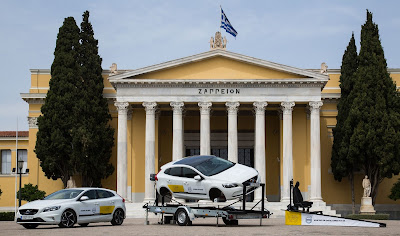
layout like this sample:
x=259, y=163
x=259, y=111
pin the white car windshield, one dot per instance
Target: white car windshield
x=207, y=165
x=64, y=194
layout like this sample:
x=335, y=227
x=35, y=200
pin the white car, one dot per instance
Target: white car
x=204, y=178
x=75, y=205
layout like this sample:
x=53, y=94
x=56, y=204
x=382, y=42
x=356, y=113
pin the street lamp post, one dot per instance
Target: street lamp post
x=20, y=166
x=18, y=171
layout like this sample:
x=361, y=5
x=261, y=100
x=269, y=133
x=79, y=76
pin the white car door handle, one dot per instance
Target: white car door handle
x=185, y=183
x=96, y=203
x=169, y=181
x=112, y=202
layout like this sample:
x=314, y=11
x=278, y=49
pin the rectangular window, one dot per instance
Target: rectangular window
x=23, y=155
x=5, y=162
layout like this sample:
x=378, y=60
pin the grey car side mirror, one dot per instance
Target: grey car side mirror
x=198, y=177
x=84, y=198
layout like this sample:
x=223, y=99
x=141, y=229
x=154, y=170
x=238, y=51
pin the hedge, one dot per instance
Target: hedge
x=7, y=216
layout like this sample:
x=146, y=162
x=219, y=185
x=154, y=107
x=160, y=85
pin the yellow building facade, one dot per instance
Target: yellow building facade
x=9, y=182
x=273, y=117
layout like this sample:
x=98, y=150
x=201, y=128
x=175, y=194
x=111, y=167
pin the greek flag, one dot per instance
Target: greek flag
x=225, y=24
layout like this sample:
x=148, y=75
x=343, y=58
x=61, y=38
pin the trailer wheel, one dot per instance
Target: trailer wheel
x=230, y=222
x=182, y=217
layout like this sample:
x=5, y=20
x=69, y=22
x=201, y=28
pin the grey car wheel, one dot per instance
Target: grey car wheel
x=68, y=219
x=118, y=217
x=182, y=217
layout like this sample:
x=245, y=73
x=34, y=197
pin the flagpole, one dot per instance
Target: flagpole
x=16, y=169
x=220, y=14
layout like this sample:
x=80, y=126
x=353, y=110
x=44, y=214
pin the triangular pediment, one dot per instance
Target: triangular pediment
x=215, y=65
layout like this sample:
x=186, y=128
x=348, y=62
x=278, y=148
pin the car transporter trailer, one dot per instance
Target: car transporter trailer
x=184, y=214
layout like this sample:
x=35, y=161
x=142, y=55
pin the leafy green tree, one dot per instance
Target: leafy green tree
x=54, y=139
x=92, y=134
x=395, y=191
x=374, y=115
x=343, y=165
x=31, y=193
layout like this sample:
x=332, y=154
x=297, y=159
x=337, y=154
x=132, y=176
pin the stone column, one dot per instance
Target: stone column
x=315, y=151
x=259, y=158
x=150, y=107
x=287, y=108
x=177, y=126
x=205, y=146
x=122, y=161
x=232, y=131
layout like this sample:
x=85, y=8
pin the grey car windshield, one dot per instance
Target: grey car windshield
x=64, y=194
x=213, y=166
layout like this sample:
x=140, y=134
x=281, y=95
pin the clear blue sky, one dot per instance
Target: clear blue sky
x=135, y=34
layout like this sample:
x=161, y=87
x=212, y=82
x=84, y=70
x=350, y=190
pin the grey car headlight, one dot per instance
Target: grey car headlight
x=230, y=185
x=53, y=208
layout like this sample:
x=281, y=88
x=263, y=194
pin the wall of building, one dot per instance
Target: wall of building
x=8, y=181
x=333, y=192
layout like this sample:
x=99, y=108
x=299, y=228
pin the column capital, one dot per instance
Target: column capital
x=233, y=107
x=177, y=107
x=150, y=107
x=315, y=106
x=122, y=107
x=205, y=107
x=32, y=122
x=287, y=107
x=259, y=107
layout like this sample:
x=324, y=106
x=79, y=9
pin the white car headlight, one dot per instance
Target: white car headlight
x=53, y=208
x=232, y=185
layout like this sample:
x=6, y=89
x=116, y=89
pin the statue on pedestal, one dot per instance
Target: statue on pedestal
x=113, y=69
x=367, y=186
x=324, y=68
x=366, y=201
x=71, y=183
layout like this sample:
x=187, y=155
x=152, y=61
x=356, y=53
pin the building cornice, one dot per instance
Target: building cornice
x=48, y=71
x=330, y=96
x=38, y=98
x=212, y=83
x=13, y=138
x=337, y=71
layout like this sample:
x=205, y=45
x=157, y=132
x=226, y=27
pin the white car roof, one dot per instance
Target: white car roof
x=184, y=163
x=91, y=188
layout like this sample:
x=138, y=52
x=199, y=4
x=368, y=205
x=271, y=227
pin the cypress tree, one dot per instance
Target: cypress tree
x=395, y=191
x=54, y=138
x=374, y=114
x=93, y=135
x=343, y=165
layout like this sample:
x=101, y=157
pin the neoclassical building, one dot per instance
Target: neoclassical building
x=275, y=118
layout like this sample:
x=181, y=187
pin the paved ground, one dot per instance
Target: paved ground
x=199, y=227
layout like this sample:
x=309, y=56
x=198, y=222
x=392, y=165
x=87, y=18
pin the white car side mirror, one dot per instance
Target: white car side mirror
x=198, y=177
x=84, y=198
